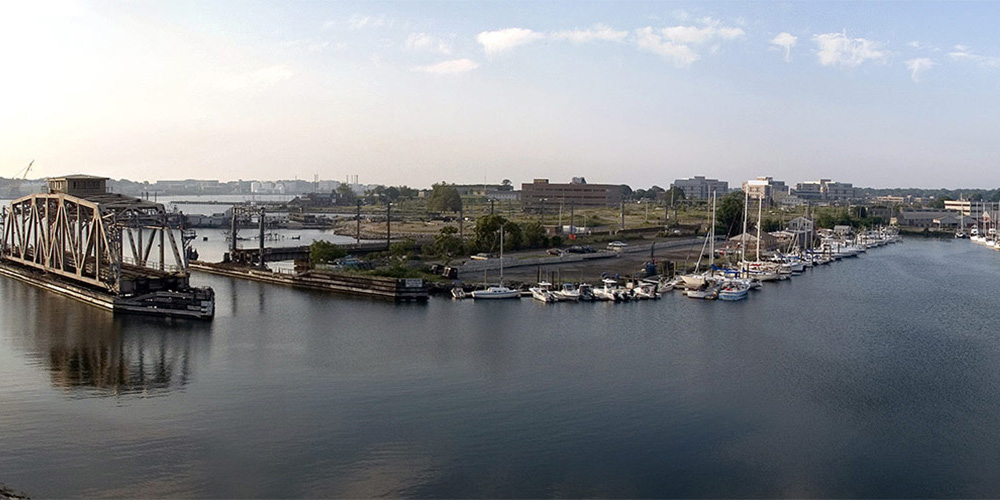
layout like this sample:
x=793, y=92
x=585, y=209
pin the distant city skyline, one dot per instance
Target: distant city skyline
x=878, y=94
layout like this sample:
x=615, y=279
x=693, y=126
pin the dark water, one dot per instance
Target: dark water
x=877, y=377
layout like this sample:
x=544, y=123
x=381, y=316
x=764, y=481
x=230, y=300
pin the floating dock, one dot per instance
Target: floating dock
x=395, y=289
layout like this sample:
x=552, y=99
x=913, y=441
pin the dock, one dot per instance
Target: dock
x=378, y=287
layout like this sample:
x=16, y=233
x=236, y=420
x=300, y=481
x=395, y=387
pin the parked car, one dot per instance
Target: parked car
x=617, y=246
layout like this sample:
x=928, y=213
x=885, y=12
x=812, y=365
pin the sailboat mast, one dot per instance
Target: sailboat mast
x=760, y=211
x=501, y=255
x=743, y=237
x=711, y=254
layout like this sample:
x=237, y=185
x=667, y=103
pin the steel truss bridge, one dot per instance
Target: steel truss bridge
x=116, y=243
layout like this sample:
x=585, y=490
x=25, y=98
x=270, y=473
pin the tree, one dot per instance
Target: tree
x=534, y=235
x=345, y=194
x=324, y=252
x=404, y=248
x=767, y=225
x=674, y=193
x=407, y=192
x=506, y=185
x=729, y=214
x=626, y=191
x=486, y=235
x=939, y=201
x=444, y=198
x=448, y=243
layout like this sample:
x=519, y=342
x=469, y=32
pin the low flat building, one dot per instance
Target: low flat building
x=920, y=218
x=542, y=193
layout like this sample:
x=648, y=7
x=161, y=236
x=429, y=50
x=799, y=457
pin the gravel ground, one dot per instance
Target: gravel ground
x=625, y=264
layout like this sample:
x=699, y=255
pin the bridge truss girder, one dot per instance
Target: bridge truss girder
x=82, y=240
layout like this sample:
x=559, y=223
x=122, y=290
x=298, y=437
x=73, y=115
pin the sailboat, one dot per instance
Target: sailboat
x=498, y=291
x=695, y=280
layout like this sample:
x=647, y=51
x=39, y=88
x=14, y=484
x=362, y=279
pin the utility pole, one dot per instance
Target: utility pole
x=623, y=213
x=261, y=249
x=358, y=219
x=491, y=206
x=572, y=226
x=388, y=225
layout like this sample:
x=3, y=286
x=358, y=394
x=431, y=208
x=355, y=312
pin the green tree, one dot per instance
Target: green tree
x=324, y=252
x=444, y=198
x=448, y=243
x=486, y=235
x=404, y=248
x=345, y=194
x=534, y=235
x=729, y=214
x=767, y=225
x=939, y=201
x=674, y=193
x=407, y=193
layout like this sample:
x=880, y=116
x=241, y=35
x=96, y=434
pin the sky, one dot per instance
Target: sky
x=879, y=94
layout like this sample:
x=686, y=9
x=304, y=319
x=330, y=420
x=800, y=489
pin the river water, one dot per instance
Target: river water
x=877, y=376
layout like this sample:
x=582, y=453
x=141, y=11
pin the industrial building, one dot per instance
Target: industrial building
x=542, y=193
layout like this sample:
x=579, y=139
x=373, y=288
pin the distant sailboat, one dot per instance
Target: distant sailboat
x=498, y=291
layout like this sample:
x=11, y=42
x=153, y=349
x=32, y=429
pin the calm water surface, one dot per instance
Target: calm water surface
x=877, y=376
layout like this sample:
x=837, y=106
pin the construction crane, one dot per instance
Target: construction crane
x=27, y=169
x=14, y=188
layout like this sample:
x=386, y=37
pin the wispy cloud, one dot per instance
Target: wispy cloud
x=495, y=42
x=918, y=66
x=426, y=42
x=358, y=21
x=677, y=43
x=964, y=53
x=599, y=32
x=836, y=49
x=923, y=46
x=680, y=55
x=710, y=30
x=449, y=67
x=785, y=41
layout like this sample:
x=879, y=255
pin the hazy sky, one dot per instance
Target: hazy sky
x=878, y=94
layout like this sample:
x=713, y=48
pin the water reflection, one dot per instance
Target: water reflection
x=125, y=357
x=84, y=347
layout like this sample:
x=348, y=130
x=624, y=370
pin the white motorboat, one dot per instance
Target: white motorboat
x=568, y=292
x=542, y=292
x=734, y=290
x=496, y=292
